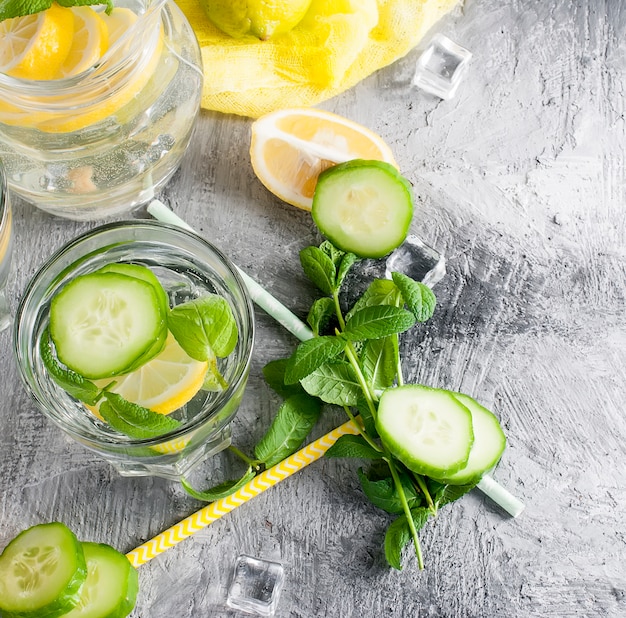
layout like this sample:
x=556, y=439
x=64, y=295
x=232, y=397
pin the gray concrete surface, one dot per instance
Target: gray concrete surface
x=520, y=183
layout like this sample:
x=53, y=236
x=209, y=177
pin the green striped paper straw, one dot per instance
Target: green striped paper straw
x=295, y=326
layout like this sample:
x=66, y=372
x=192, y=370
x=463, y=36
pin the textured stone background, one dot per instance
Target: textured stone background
x=521, y=184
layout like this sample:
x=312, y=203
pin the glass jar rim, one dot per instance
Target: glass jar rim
x=40, y=281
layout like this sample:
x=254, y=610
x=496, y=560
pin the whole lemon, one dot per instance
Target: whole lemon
x=261, y=18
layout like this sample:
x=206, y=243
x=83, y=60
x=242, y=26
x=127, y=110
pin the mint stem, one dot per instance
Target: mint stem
x=362, y=432
x=429, y=499
x=251, y=462
x=407, y=510
x=342, y=322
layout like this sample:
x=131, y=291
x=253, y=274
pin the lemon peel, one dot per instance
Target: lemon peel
x=35, y=46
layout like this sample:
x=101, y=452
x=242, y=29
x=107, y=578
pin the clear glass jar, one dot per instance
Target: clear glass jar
x=188, y=267
x=105, y=141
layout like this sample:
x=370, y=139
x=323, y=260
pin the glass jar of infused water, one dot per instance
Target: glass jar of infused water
x=104, y=140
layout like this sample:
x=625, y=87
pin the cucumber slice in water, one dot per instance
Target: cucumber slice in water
x=41, y=572
x=139, y=272
x=145, y=274
x=489, y=444
x=364, y=207
x=110, y=590
x=427, y=429
x=102, y=323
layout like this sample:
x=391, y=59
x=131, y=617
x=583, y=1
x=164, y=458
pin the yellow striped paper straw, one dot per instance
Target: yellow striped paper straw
x=212, y=512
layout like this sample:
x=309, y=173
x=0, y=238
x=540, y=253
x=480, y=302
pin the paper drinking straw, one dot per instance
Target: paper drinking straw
x=257, y=485
x=294, y=325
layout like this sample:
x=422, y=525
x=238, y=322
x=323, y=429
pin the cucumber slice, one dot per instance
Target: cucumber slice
x=489, y=444
x=139, y=272
x=41, y=572
x=110, y=590
x=364, y=207
x=102, y=323
x=145, y=274
x=427, y=429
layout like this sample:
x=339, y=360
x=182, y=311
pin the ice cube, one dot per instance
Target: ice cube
x=441, y=67
x=256, y=585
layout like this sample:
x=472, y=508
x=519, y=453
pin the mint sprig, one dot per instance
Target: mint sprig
x=21, y=8
x=353, y=357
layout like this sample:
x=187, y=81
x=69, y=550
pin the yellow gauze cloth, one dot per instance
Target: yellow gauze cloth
x=337, y=44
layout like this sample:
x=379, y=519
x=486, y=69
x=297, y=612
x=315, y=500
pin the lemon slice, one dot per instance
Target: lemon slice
x=165, y=383
x=35, y=46
x=89, y=42
x=118, y=21
x=291, y=147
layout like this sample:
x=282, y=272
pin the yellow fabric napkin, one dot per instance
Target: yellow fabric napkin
x=337, y=44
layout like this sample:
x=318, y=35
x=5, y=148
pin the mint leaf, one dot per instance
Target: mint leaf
x=204, y=327
x=334, y=382
x=383, y=493
x=310, y=355
x=445, y=494
x=336, y=255
x=320, y=314
x=291, y=425
x=379, y=292
x=134, y=420
x=220, y=491
x=20, y=8
x=399, y=534
x=396, y=538
x=70, y=3
x=344, y=266
x=353, y=446
x=378, y=321
x=418, y=297
x=274, y=374
x=379, y=361
x=73, y=383
x=319, y=268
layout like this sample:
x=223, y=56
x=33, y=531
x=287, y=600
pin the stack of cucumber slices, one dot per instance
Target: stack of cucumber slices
x=446, y=436
x=46, y=572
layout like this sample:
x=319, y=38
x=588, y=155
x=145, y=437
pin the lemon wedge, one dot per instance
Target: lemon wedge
x=89, y=42
x=165, y=383
x=35, y=46
x=290, y=148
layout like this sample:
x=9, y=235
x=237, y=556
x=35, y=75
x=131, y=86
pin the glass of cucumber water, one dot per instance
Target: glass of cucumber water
x=135, y=339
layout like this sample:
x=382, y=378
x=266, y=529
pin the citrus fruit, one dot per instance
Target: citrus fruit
x=89, y=42
x=165, y=383
x=35, y=46
x=291, y=147
x=118, y=21
x=260, y=18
